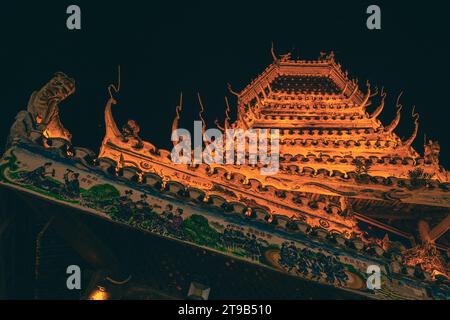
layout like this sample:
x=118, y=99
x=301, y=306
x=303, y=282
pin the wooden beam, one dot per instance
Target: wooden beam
x=384, y=226
x=440, y=229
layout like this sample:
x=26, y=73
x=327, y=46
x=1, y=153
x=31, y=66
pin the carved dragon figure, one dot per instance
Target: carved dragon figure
x=41, y=119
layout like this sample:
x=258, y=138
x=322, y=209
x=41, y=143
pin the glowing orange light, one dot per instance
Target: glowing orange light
x=99, y=294
x=437, y=273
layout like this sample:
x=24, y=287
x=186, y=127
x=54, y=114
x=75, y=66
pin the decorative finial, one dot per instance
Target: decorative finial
x=380, y=108
x=399, y=106
x=111, y=126
x=227, y=114
x=114, y=87
x=375, y=93
x=363, y=104
x=331, y=56
x=200, y=114
x=180, y=106
x=415, y=116
x=396, y=120
x=176, y=120
x=232, y=91
x=272, y=51
x=286, y=56
x=216, y=122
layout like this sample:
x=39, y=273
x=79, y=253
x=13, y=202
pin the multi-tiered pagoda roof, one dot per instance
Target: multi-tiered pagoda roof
x=324, y=120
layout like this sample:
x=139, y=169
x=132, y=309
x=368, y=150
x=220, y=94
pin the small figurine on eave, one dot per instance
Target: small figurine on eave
x=346, y=207
x=431, y=152
x=322, y=55
x=285, y=57
x=331, y=56
x=386, y=242
x=131, y=131
x=41, y=118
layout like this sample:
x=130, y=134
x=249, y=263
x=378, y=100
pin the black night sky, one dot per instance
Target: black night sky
x=201, y=46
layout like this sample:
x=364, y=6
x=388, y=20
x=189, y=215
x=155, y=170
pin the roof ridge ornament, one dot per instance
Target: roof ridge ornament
x=274, y=56
x=355, y=89
x=113, y=86
x=322, y=55
x=390, y=128
x=286, y=57
x=345, y=88
x=380, y=107
x=231, y=90
x=111, y=126
x=375, y=92
x=200, y=114
x=176, y=120
x=363, y=104
x=227, y=115
x=226, y=122
x=330, y=56
x=415, y=116
x=283, y=58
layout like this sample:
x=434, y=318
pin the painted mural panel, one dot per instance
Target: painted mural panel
x=168, y=213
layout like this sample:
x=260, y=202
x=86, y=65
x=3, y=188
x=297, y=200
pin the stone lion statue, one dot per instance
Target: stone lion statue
x=41, y=119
